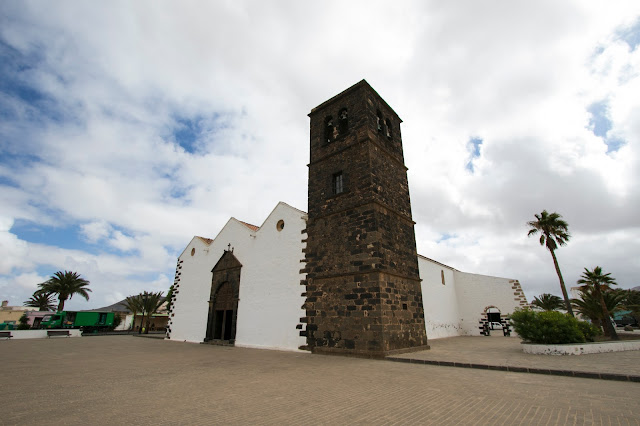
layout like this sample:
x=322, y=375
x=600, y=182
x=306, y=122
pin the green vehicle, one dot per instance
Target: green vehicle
x=88, y=321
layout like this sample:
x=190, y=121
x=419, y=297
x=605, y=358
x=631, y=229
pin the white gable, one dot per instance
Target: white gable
x=270, y=293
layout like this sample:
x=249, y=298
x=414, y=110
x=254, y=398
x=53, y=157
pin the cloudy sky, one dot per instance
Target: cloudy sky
x=128, y=127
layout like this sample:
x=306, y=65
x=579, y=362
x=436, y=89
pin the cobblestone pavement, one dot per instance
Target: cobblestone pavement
x=122, y=379
x=497, y=350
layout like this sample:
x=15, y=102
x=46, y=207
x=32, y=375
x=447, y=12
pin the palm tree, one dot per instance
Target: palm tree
x=595, y=281
x=65, y=285
x=554, y=232
x=134, y=304
x=41, y=300
x=547, y=302
x=589, y=306
x=151, y=302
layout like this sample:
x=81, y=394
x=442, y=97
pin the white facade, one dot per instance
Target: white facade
x=270, y=294
x=455, y=302
x=441, y=314
x=270, y=298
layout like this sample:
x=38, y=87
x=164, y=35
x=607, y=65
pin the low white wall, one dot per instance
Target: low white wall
x=36, y=334
x=478, y=292
x=580, y=348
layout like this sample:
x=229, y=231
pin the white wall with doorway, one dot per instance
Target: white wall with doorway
x=476, y=293
x=270, y=294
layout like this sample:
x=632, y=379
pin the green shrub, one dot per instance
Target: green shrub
x=551, y=327
x=23, y=323
x=589, y=330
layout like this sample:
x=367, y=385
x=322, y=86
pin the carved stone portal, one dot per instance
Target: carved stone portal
x=223, y=299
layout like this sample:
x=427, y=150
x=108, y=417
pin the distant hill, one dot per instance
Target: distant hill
x=118, y=307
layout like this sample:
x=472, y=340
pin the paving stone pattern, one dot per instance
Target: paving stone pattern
x=122, y=379
x=506, y=353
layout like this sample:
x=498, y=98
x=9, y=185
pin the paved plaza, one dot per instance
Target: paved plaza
x=131, y=380
x=506, y=353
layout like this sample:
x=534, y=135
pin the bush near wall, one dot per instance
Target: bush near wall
x=551, y=327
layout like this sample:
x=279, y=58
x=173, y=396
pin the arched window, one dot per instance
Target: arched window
x=388, y=126
x=379, y=120
x=343, y=116
x=328, y=129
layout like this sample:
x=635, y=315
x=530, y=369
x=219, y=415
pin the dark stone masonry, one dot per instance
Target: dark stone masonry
x=363, y=294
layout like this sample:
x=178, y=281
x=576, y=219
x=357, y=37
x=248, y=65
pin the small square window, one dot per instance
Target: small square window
x=338, y=183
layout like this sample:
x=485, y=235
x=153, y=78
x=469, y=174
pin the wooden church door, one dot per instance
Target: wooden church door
x=223, y=299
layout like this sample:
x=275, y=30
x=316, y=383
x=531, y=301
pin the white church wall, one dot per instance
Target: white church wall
x=190, y=308
x=442, y=318
x=476, y=293
x=271, y=299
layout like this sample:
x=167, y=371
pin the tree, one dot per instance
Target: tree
x=554, y=232
x=169, y=297
x=631, y=302
x=547, y=302
x=589, y=305
x=151, y=302
x=65, y=285
x=148, y=303
x=23, y=322
x=597, y=282
x=41, y=300
x=117, y=319
x=134, y=304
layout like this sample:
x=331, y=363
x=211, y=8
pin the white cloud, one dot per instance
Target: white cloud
x=98, y=149
x=12, y=250
x=30, y=281
x=96, y=231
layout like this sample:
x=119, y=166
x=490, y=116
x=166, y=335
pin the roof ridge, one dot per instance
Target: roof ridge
x=206, y=240
x=250, y=226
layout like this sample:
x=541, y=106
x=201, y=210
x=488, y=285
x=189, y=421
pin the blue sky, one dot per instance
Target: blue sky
x=127, y=131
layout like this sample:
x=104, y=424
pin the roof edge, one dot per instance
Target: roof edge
x=361, y=83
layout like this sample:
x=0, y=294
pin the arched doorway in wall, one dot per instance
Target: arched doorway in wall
x=493, y=317
x=225, y=307
x=223, y=300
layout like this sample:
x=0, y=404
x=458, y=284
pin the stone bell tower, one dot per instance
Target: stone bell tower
x=363, y=294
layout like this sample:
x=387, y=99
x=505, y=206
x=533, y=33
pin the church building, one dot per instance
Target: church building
x=344, y=277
